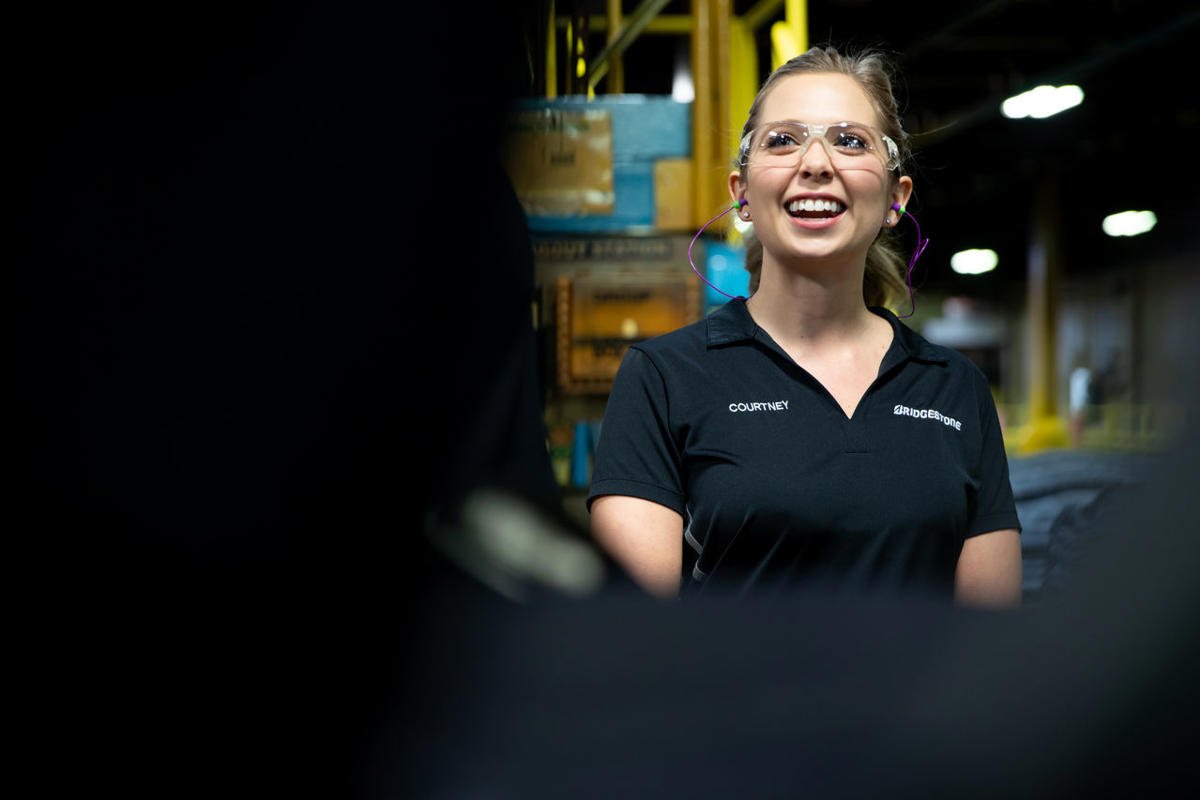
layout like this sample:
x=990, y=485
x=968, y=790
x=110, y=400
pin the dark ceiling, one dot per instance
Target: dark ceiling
x=1134, y=143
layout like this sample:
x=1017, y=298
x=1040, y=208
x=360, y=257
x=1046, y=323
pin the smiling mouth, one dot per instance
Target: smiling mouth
x=813, y=208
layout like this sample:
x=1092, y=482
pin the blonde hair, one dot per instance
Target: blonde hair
x=885, y=262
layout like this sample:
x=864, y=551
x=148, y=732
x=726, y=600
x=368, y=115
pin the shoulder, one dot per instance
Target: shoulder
x=958, y=374
x=962, y=373
x=692, y=343
x=926, y=351
x=963, y=369
x=958, y=363
x=662, y=360
x=688, y=340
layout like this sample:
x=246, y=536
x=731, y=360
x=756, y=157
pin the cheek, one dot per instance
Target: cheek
x=765, y=182
x=871, y=190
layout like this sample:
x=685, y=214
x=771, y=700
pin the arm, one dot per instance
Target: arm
x=643, y=537
x=988, y=574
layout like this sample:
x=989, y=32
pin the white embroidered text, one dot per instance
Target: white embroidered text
x=927, y=413
x=778, y=405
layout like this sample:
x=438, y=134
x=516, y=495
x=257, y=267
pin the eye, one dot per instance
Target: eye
x=779, y=140
x=852, y=141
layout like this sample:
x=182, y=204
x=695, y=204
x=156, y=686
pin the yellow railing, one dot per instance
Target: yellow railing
x=1109, y=426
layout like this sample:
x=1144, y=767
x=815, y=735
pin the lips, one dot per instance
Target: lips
x=814, y=207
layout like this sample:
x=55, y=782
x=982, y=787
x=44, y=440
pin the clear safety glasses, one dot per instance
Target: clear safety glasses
x=782, y=144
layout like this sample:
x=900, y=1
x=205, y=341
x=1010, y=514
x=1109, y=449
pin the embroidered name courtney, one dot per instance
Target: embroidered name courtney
x=926, y=413
x=778, y=405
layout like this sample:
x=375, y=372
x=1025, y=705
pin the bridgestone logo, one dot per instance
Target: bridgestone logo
x=778, y=405
x=927, y=413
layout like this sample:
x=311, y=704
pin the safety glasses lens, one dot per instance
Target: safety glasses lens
x=780, y=143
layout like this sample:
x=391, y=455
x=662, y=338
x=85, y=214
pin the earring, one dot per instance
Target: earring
x=888, y=220
x=745, y=214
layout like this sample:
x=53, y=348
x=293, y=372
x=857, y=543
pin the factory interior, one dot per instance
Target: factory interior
x=1080, y=328
x=317, y=311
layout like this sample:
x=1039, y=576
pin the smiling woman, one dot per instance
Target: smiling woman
x=810, y=485
x=840, y=190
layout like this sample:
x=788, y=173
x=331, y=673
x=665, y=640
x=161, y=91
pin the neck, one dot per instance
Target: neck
x=811, y=307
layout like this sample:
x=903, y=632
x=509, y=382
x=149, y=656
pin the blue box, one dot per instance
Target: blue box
x=645, y=129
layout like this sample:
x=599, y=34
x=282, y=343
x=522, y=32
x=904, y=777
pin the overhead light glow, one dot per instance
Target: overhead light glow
x=1042, y=101
x=973, y=262
x=683, y=90
x=1129, y=223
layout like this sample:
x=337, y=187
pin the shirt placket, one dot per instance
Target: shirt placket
x=856, y=430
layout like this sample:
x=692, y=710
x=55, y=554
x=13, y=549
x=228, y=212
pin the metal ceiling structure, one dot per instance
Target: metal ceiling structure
x=1131, y=144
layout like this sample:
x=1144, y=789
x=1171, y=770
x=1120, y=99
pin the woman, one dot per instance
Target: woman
x=805, y=437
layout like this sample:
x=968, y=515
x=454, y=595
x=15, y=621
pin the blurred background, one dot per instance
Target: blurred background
x=1063, y=239
x=292, y=281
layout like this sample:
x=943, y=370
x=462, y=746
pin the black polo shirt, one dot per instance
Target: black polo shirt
x=778, y=488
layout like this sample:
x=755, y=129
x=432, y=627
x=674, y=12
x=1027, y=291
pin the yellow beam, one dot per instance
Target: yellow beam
x=743, y=78
x=797, y=20
x=790, y=37
x=1046, y=428
x=569, y=42
x=721, y=28
x=616, y=69
x=551, y=58
x=761, y=13
x=702, y=107
x=784, y=46
x=722, y=45
x=642, y=16
x=681, y=24
x=674, y=24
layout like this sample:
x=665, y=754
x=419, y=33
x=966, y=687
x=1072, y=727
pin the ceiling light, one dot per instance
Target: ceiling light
x=1129, y=223
x=973, y=262
x=1042, y=102
x=683, y=90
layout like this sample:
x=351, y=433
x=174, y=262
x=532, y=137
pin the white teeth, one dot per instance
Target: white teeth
x=810, y=204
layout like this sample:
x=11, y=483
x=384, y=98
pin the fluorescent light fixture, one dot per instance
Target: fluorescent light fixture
x=973, y=262
x=1042, y=101
x=683, y=90
x=1129, y=223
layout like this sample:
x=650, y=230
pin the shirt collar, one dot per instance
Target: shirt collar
x=732, y=323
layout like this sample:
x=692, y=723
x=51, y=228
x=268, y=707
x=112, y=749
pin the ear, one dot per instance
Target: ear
x=902, y=191
x=737, y=187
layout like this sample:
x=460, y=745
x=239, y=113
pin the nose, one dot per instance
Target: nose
x=815, y=160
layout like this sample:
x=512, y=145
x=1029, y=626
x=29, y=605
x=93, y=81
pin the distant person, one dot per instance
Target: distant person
x=1077, y=401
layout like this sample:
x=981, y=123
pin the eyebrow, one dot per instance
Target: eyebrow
x=827, y=124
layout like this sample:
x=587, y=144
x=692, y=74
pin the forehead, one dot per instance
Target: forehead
x=820, y=98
